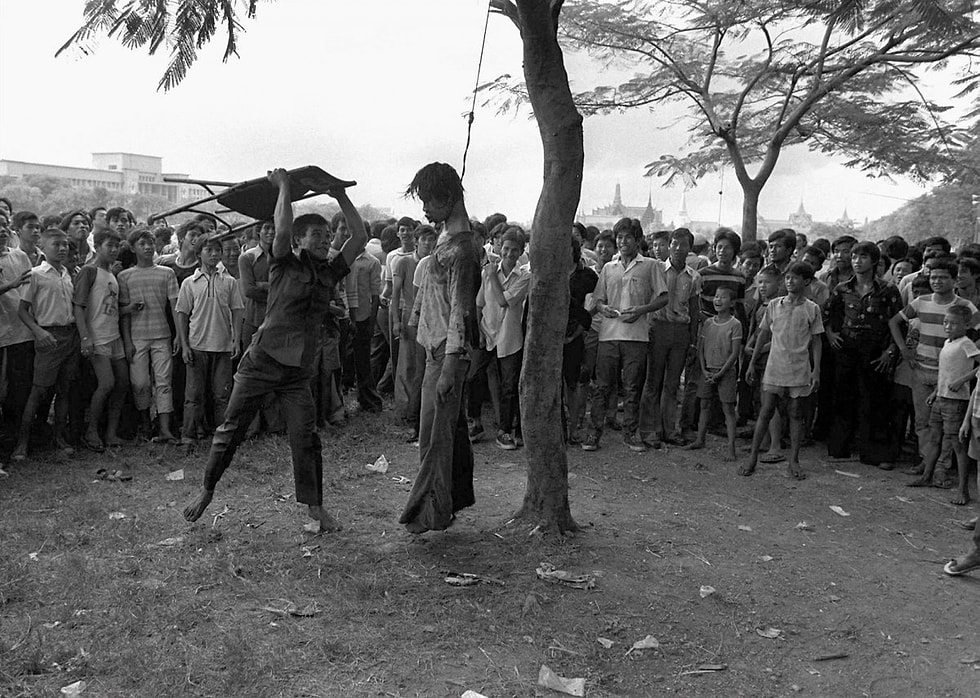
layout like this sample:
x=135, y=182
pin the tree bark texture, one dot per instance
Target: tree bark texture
x=560, y=124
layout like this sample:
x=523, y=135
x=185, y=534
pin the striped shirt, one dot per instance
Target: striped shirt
x=153, y=287
x=713, y=278
x=931, y=333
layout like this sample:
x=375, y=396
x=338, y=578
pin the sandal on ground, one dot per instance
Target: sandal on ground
x=93, y=446
x=772, y=458
x=113, y=475
x=946, y=484
x=169, y=440
x=955, y=568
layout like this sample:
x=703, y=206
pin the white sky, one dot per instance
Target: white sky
x=369, y=90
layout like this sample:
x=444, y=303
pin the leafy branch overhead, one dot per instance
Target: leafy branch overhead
x=183, y=26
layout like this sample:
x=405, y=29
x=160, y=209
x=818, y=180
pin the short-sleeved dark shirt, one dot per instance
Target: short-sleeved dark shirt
x=300, y=291
x=864, y=319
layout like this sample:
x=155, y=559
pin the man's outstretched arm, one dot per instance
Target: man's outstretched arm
x=282, y=244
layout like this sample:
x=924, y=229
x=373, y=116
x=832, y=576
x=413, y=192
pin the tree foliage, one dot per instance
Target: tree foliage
x=838, y=76
x=183, y=26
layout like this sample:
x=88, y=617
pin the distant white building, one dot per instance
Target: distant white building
x=127, y=173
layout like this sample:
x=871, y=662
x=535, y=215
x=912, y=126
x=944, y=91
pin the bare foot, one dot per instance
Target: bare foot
x=20, y=453
x=193, y=511
x=328, y=524
x=960, y=499
x=920, y=482
x=730, y=456
x=694, y=445
x=747, y=469
x=794, y=471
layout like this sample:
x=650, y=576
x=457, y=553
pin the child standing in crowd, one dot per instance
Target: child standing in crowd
x=97, y=319
x=363, y=295
x=502, y=293
x=148, y=290
x=412, y=367
x=16, y=341
x=28, y=228
x=718, y=348
x=949, y=402
x=209, y=316
x=46, y=310
x=792, y=372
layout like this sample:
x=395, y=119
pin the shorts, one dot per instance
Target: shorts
x=974, y=448
x=60, y=362
x=947, y=414
x=792, y=392
x=114, y=350
x=725, y=388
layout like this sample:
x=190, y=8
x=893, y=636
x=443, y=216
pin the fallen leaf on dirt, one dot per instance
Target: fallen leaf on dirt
x=647, y=643
x=472, y=694
x=803, y=526
x=706, y=591
x=549, y=679
x=290, y=609
x=548, y=573
x=176, y=475
x=846, y=474
x=73, y=689
x=466, y=579
x=379, y=466
x=769, y=633
x=605, y=642
x=116, y=515
x=745, y=528
x=838, y=510
x=767, y=558
x=176, y=540
x=402, y=480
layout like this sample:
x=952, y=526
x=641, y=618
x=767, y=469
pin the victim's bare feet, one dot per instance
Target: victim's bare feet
x=960, y=499
x=729, y=456
x=193, y=511
x=794, y=471
x=328, y=524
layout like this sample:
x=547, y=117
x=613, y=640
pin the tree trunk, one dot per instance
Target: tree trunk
x=750, y=211
x=560, y=124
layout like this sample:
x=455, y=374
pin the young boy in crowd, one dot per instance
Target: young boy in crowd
x=148, y=290
x=209, y=317
x=362, y=288
x=46, y=310
x=794, y=324
x=966, y=280
x=27, y=226
x=750, y=396
x=749, y=263
x=718, y=349
x=16, y=341
x=502, y=293
x=660, y=245
x=949, y=402
x=96, y=301
x=840, y=270
x=412, y=369
x=931, y=310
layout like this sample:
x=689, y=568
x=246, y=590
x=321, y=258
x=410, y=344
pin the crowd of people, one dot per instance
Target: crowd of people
x=210, y=333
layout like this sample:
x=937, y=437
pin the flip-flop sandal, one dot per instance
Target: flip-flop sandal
x=92, y=446
x=772, y=458
x=953, y=569
x=164, y=440
x=104, y=474
x=944, y=484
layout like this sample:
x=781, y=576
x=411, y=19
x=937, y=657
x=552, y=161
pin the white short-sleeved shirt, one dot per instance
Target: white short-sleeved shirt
x=208, y=301
x=13, y=263
x=501, y=325
x=623, y=286
x=792, y=326
x=50, y=292
x=956, y=359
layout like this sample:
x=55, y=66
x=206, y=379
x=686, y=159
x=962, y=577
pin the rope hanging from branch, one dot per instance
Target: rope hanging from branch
x=476, y=87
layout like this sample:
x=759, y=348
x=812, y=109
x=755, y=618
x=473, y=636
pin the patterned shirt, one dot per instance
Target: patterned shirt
x=446, y=304
x=153, y=287
x=713, y=278
x=932, y=336
x=864, y=318
x=97, y=291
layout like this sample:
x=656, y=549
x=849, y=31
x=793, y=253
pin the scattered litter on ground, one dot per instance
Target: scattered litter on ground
x=548, y=573
x=312, y=527
x=846, y=474
x=32, y=557
x=472, y=694
x=745, y=528
x=167, y=542
x=705, y=669
x=52, y=626
x=769, y=633
x=767, y=558
x=379, y=466
x=904, y=499
x=549, y=679
x=290, y=609
x=605, y=642
x=804, y=526
x=401, y=480
x=73, y=689
x=116, y=516
x=829, y=657
x=466, y=579
x=838, y=510
x=647, y=643
x=175, y=475
x=706, y=591
x=308, y=550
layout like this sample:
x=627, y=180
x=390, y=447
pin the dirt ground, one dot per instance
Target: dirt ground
x=103, y=582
